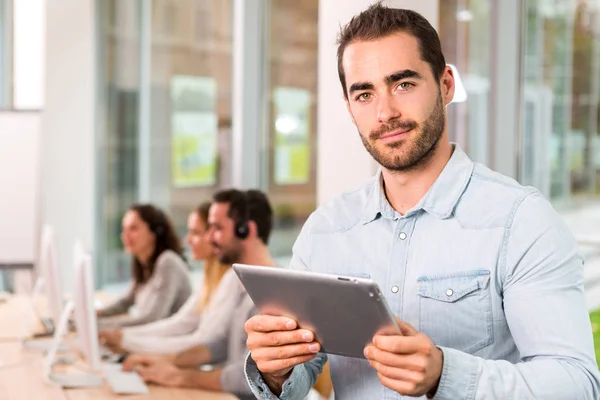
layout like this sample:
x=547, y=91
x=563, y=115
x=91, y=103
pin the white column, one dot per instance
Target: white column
x=342, y=161
x=144, y=103
x=250, y=71
x=67, y=126
x=506, y=87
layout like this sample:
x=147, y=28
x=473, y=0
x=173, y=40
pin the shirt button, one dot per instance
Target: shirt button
x=449, y=292
x=395, y=289
x=402, y=235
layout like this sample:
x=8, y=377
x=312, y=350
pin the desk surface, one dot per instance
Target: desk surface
x=12, y=311
x=21, y=378
x=156, y=393
x=21, y=370
x=21, y=375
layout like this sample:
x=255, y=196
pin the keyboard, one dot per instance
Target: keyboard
x=122, y=382
x=43, y=345
x=76, y=380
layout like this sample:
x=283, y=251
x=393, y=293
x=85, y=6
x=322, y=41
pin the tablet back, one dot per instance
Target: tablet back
x=343, y=312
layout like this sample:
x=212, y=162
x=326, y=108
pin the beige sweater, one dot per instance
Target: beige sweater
x=160, y=297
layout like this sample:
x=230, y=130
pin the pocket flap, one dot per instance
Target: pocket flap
x=452, y=287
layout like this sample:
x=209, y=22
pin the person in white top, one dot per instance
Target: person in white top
x=182, y=330
x=160, y=282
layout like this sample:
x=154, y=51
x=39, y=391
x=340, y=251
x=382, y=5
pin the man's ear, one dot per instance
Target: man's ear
x=252, y=229
x=447, y=85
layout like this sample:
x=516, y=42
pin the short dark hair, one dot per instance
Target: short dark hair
x=379, y=21
x=251, y=205
x=166, y=239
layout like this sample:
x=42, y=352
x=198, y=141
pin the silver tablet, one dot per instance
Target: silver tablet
x=343, y=312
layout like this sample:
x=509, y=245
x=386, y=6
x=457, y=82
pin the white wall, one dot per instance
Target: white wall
x=19, y=185
x=427, y=8
x=342, y=161
x=28, y=47
x=67, y=128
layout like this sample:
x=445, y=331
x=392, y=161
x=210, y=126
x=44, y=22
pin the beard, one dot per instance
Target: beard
x=408, y=154
x=229, y=255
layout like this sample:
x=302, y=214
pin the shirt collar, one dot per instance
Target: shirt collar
x=439, y=201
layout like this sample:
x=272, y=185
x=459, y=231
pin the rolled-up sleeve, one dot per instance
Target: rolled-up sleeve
x=296, y=387
x=547, y=315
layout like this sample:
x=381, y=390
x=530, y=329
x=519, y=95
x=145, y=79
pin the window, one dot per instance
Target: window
x=292, y=93
x=119, y=139
x=464, y=28
x=190, y=108
x=167, y=120
x=561, y=87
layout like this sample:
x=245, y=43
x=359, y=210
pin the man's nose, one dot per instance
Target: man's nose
x=387, y=110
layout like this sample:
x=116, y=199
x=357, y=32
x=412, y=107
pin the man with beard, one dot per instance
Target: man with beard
x=483, y=276
x=240, y=224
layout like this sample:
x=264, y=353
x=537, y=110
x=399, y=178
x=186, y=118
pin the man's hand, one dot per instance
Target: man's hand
x=111, y=338
x=162, y=373
x=277, y=346
x=136, y=361
x=409, y=364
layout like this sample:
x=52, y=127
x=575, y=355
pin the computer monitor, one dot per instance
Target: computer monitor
x=50, y=273
x=87, y=331
x=119, y=381
x=85, y=312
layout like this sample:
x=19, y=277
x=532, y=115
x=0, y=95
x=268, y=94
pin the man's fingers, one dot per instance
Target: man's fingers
x=274, y=366
x=135, y=360
x=275, y=339
x=397, y=373
x=145, y=373
x=406, y=328
x=269, y=323
x=129, y=363
x=413, y=362
x=399, y=386
x=285, y=352
x=400, y=344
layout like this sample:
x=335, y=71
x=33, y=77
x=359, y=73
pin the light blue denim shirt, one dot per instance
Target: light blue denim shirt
x=482, y=265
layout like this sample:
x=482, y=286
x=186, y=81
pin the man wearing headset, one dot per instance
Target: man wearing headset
x=239, y=227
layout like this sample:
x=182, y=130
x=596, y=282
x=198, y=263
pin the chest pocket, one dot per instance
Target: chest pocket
x=456, y=310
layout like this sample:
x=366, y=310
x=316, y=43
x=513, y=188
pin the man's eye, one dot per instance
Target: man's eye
x=363, y=97
x=405, y=85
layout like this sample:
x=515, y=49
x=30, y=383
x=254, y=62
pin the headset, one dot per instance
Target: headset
x=159, y=227
x=241, y=228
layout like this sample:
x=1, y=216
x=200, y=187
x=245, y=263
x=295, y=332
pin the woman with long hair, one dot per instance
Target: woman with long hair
x=180, y=331
x=160, y=276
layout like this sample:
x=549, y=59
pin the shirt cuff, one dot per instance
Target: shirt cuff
x=460, y=375
x=257, y=385
x=294, y=388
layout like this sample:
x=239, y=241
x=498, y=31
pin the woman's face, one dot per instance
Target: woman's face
x=197, y=237
x=136, y=235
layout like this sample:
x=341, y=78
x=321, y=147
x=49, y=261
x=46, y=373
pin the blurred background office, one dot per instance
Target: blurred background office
x=109, y=102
